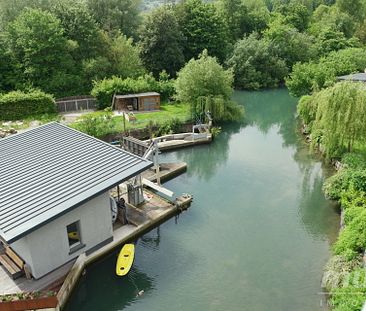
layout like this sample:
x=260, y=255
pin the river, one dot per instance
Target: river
x=256, y=237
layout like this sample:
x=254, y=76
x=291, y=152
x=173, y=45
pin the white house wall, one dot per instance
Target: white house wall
x=47, y=248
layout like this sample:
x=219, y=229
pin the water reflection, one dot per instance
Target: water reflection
x=100, y=281
x=314, y=207
x=278, y=107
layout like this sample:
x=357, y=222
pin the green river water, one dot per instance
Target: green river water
x=256, y=237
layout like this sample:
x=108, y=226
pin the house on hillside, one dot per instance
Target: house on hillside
x=54, y=198
x=136, y=102
x=356, y=77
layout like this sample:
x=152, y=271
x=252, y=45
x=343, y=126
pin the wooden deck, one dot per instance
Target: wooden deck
x=51, y=281
x=167, y=171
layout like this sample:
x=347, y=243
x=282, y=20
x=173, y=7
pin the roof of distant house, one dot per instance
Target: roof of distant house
x=354, y=77
x=49, y=170
x=137, y=95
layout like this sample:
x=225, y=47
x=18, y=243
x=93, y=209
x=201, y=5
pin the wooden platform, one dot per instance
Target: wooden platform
x=51, y=281
x=167, y=171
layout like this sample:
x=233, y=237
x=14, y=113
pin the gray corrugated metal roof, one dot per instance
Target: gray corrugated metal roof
x=354, y=77
x=137, y=95
x=48, y=171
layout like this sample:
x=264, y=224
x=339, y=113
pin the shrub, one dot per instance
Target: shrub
x=169, y=127
x=18, y=105
x=348, y=299
x=351, y=241
x=354, y=160
x=95, y=124
x=313, y=76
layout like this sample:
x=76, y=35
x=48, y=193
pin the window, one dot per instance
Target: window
x=74, y=237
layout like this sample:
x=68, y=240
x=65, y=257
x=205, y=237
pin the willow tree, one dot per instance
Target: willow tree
x=340, y=121
x=207, y=86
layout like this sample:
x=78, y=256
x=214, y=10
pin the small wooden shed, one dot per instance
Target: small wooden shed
x=137, y=102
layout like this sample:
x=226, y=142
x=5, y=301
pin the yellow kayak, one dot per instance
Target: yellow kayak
x=125, y=259
x=73, y=235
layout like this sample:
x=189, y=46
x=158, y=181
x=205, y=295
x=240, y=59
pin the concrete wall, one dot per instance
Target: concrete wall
x=47, y=248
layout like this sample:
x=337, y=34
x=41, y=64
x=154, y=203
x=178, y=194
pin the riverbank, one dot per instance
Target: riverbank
x=258, y=233
x=335, y=124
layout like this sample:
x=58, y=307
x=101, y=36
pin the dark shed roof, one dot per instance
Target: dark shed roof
x=354, y=77
x=137, y=95
x=52, y=169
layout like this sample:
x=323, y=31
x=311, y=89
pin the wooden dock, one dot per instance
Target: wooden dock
x=167, y=171
x=181, y=140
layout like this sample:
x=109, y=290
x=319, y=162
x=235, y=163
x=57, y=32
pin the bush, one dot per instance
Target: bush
x=343, y=181
x=169, y=127
x=104, y=89
x=19, y=105
x=348, y=299
x=354, y=161
x=95, y=124
x=351, y=241
x=313, y=76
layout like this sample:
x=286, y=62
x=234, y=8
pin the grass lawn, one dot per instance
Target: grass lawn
x=167, y=112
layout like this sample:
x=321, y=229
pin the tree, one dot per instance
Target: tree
x=340, y=121
x=355, y=8
x=329, y=40
x=235, y=15
x=10, y=9
x=205, y=85
x=202, y=28
x=255, y=64
x=119, y=57
x=79, y=26
x=7, y=70
x=331, y=17
x=295, y=14
x=161, y=42
x=41, y=53
x=117, y=15
x=293, y=46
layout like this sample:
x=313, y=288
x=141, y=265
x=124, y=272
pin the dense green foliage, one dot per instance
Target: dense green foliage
x=261, y=40
x=45, y=64
x=18, y=105
x=202, y=28
x=314, y=76
x=336, y=117
x=343, y=275
x=161, y=42
x=256, y=63
x=206, y=86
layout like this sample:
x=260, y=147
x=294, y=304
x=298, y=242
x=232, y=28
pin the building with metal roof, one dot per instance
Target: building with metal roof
x=357, y=77
x=54, y=196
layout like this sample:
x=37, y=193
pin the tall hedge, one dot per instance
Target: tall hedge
x=18, y=105
x=104, y=89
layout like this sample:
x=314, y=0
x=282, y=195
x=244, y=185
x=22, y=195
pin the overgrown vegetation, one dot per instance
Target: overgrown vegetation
x=344, y=276
x=336, y=118
x=169, y=119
